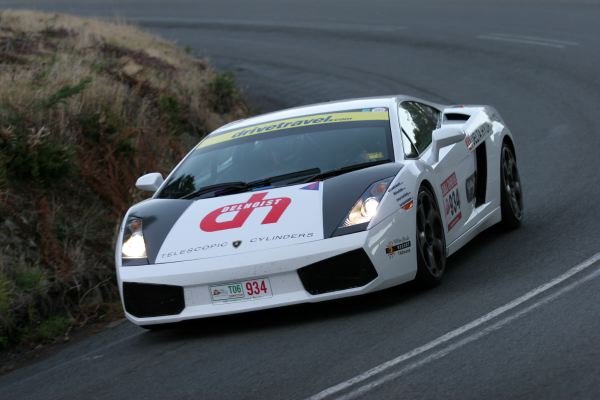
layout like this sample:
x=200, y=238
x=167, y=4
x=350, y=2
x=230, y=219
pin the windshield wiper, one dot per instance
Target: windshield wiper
x=225, y=186
x=284, y=177
x=346, y=169
x=238, y=187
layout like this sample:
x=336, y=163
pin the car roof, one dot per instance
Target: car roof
x=326, y=107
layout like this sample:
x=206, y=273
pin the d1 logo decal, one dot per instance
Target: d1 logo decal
x=252, y=221
x=243, y=211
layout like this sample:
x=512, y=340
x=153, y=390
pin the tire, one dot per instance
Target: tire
x=511, y=194
x=431, y=243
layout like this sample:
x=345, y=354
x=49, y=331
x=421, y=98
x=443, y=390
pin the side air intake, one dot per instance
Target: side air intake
x=345, y=271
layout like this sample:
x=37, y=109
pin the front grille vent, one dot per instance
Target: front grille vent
x=145, y=300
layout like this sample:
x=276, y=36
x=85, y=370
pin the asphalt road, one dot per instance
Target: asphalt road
x=486, y=332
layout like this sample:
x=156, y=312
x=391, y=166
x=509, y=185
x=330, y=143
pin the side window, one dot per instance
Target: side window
x=417, y=121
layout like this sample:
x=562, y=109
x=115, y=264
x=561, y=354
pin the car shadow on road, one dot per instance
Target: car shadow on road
x=314, y=313
x=282, y=317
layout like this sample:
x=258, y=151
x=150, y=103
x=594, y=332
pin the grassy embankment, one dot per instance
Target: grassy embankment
x=85, y=108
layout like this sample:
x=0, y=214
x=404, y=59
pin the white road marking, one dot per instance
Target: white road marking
x=531, y=40
x=521, y=41
x=348, y=384
x=475, y=336
x=537, y=38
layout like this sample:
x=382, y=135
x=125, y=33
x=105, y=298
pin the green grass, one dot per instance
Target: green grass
x=51, y=329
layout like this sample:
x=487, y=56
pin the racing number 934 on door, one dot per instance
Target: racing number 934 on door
x=315, y=203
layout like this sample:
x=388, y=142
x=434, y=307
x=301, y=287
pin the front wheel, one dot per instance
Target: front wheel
x=511, y=195
x=431, y=243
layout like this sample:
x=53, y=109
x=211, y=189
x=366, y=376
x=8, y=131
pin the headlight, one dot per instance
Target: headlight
x=133, y=246
x=366, y=207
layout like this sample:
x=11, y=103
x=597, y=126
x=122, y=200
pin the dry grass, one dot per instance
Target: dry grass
x=85, y=108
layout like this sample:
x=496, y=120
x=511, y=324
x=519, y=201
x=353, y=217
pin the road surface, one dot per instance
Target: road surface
x=517, y=315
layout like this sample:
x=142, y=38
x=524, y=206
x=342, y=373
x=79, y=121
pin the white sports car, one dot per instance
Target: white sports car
x=315, y=203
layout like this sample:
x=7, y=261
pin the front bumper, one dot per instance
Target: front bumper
x=279, y=265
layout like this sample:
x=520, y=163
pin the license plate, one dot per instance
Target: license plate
x=243, y=290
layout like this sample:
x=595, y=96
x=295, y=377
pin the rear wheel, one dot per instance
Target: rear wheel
x=431, y=243
x=511, y=195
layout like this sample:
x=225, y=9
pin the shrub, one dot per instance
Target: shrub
x=30, y=280
x=5, y=317
x=3, y=173
x=173, y=113
x=223, y=92
x=65, y=93
x=42, y=160
x=4, y=299
x=51, y=329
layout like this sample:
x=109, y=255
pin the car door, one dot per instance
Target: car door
x=454, y=173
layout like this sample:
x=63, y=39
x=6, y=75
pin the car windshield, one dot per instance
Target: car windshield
x=283, y=152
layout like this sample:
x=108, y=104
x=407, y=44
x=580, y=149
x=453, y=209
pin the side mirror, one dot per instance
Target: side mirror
x=149, y=182
x=443, y=137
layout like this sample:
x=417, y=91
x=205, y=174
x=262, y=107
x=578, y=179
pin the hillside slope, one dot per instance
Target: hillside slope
x=85, y=108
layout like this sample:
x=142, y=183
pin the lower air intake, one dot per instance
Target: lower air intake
x=345, y=271
x=144, y=300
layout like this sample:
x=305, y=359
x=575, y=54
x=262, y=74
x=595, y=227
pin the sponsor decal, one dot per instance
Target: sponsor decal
x=469, y=142
x=407, y=205
x=312, y=186
x=253, y=242
x=378, y=155
x=309, y=120
x=399, y=192
x=451, y=200
x=193, y=250
x=287, y=236
x=241, y=211
x=402, y=196
x=394, y=187
x=398, y=246
x=478, y=135
x=470, y=187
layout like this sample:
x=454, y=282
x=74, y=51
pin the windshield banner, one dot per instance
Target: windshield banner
x=377, y=114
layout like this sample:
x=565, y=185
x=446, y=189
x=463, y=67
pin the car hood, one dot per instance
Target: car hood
x=245, y=222
x=181, y=230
